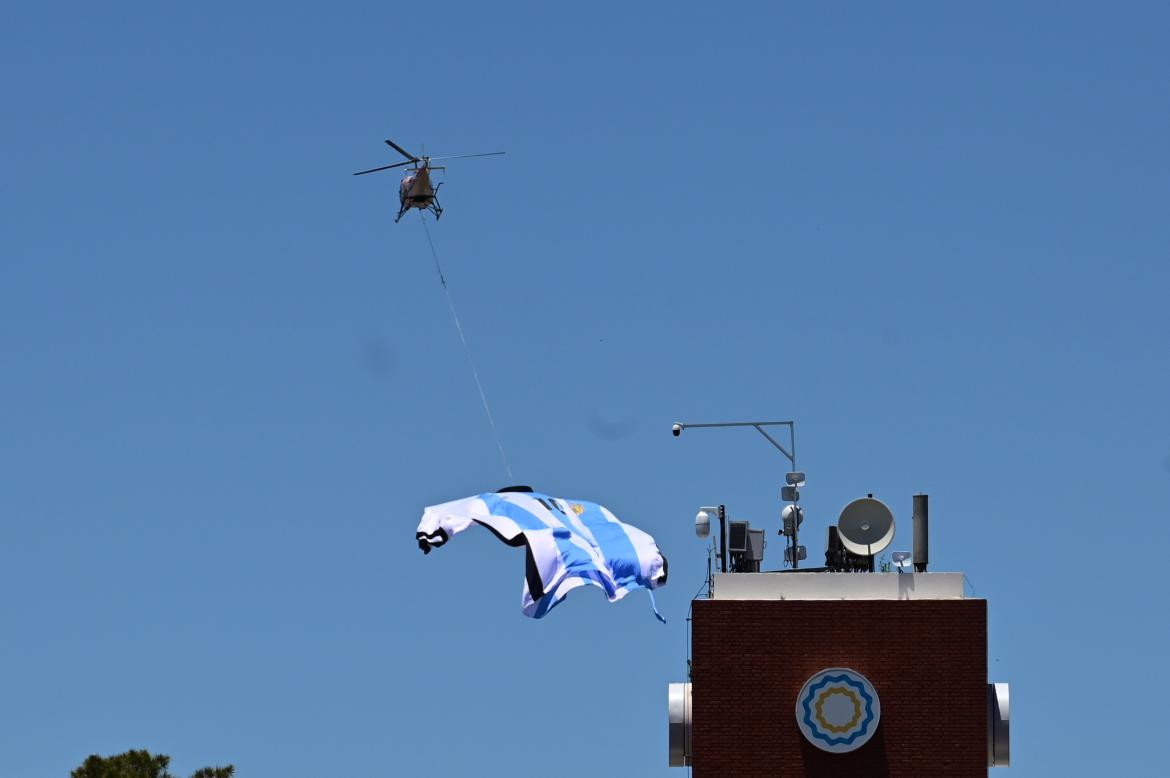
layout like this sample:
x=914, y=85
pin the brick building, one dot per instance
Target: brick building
x=838, y=674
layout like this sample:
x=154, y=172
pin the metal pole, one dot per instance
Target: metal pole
x=722, y=539
x=795, y=542
x=758, y=425
x=792, y=441
x=795, y=502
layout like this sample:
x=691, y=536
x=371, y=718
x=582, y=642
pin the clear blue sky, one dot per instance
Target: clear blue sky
x=934, y=234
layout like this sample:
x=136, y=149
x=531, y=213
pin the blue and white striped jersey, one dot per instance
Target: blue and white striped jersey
x=568, y=543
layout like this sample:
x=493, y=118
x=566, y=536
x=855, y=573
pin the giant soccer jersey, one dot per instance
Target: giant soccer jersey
x=568, y=543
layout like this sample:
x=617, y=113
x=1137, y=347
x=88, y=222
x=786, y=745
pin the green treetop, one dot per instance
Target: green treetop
x=140, y=764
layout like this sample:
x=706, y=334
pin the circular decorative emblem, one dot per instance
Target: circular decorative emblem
x=838, y=710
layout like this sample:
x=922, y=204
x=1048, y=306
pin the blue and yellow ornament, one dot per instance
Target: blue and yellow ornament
x=838, y=710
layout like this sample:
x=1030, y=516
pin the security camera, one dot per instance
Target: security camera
x=703, y=524
x=676, y=430
x=790, y=518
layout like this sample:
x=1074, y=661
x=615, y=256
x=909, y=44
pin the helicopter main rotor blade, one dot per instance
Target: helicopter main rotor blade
x=465, y=156
x=401, y=150
x=376, y=169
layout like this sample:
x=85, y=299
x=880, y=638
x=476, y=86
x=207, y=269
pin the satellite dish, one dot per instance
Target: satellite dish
x=901, y=559
x=866, y=526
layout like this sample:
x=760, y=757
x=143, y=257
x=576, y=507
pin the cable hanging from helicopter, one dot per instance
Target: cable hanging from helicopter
x=416, y=189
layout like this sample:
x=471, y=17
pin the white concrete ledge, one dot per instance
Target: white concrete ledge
x=838, y=586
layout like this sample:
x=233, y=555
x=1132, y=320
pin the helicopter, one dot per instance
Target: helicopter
x=415, y=190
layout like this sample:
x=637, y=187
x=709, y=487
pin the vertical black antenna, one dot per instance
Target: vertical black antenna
x=921, y=532
x=722, y=539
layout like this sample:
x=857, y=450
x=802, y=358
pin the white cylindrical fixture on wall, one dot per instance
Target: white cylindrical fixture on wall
x=678, y=706
x=999, y=725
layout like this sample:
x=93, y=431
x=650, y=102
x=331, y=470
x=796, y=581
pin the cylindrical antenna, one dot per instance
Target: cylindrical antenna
x=921, y=532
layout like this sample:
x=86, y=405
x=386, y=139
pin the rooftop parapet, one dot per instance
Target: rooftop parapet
x=837, y=586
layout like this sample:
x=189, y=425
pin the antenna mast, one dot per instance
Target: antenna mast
x=794, y=479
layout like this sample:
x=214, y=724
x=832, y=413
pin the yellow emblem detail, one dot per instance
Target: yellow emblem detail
x=845, y=692
x=577, y=508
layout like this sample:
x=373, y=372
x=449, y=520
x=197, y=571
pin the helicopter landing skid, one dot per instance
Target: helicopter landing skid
x=423, y=204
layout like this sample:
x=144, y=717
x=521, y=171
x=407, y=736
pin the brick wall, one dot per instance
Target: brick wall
x=927, y=659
